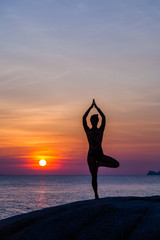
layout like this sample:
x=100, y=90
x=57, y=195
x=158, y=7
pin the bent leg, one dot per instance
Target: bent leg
x=93, y=170
x=107, y=161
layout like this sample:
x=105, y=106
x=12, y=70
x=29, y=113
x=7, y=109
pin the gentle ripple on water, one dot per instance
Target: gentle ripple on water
x=21, y=194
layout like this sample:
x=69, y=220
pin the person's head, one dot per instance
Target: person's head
x=94, y=120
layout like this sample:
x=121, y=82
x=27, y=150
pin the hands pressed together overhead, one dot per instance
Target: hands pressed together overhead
x=93, y=104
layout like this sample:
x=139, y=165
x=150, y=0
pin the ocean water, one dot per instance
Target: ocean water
x=21, y=194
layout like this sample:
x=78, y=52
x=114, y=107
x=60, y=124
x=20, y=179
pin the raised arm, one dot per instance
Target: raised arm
x=102, y=115
x=85, y=117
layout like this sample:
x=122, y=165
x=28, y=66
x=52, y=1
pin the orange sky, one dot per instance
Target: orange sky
x=57, y=135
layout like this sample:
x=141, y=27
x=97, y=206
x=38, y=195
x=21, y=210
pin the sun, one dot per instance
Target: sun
x=42, y=162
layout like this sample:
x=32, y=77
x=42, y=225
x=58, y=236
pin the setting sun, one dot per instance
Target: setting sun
x=42, y=162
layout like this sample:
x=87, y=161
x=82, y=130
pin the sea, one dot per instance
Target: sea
x=22, y=194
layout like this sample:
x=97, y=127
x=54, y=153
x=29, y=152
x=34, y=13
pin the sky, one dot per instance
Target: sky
x=55, y=57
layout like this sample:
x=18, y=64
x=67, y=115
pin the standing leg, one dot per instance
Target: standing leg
x=107, y=161
x=93, y=167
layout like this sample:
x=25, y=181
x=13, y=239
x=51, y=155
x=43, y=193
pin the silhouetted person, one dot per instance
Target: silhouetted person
x=96, y=158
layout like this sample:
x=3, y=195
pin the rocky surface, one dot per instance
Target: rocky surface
x=118, y=218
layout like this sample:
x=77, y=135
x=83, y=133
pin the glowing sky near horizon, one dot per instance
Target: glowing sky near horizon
x=55, y=57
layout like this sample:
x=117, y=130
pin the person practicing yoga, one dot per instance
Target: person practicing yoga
x=96, y=158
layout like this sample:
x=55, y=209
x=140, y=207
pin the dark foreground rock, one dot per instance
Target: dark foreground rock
x=119, y=218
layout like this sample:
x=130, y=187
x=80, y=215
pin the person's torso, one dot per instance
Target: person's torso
x=95, y=140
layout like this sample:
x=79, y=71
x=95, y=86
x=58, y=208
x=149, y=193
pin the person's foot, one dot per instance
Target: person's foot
x=96, y=197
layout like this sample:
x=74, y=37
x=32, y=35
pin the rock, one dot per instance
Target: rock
x=114, y=218
x=153, y=173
